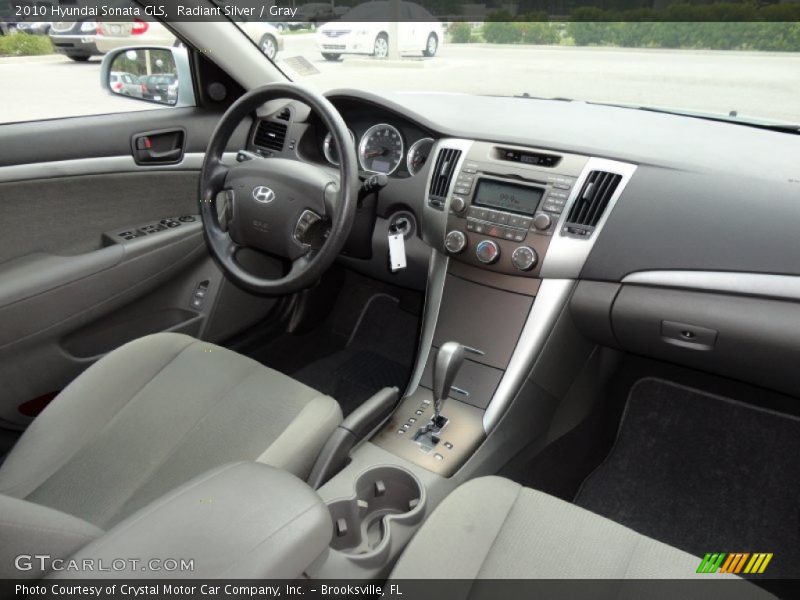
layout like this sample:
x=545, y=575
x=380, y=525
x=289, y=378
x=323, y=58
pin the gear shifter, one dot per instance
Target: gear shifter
x=448, y=361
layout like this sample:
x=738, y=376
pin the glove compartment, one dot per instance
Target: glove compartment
x=747, y=338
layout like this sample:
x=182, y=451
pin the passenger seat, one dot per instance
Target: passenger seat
x=493, y=528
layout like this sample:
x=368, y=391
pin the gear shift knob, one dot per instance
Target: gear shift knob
x=448, y=362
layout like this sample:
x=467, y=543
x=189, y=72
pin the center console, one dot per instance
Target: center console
x=504, y=205
x=510, y=228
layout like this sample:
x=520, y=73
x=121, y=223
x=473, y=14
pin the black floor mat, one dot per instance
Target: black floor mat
x=703, y=473
x=379, y=353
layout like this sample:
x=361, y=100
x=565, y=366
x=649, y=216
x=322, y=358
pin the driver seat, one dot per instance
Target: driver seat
x=153, y=414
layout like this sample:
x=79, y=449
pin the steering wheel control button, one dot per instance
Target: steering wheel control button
x=455, y=242
x=458, y=204
x=487, y=252
x=304, y=223
x=524, y=258
x=542, y=221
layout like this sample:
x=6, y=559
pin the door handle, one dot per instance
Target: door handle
x=158, y=147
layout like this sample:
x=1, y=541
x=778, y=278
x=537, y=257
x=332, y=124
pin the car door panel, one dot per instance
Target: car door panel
x=73, y=284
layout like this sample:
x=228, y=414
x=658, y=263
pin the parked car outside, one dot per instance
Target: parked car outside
x=113, y=34
x=162, y=87
x=33, y=27
x=365, y=30
x=126, y=84
x=75, y=39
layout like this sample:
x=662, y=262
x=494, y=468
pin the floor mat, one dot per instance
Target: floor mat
x=379, y=353
x=703, y=473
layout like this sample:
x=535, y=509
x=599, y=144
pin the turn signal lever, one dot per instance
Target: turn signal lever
x=373, y=183
x=448, y=361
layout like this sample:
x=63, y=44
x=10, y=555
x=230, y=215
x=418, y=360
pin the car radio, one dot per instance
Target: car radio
x=503, y=210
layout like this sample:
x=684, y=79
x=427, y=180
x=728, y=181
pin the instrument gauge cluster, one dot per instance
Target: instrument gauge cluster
x=382, y=148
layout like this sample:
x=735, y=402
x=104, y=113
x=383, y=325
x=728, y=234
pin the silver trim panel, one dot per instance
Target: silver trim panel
x=434, y=221
x=747, y=284
x=550, y=301
x=437, y=273
x=566, y=255
x=192, y=161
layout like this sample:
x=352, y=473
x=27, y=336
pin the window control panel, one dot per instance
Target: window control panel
x=139, y=231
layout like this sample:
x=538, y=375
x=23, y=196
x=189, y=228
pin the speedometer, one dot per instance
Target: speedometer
x=381, y=149
x=330, y=150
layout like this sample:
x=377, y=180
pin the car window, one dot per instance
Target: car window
x=53, y=71
x=736, y=62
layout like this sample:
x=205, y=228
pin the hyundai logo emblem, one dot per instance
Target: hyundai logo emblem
x=263, y=194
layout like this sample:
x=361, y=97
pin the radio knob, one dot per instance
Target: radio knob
x=524, y=258
x=457, y=204
x=487, y=252
x=542, y=221
x=455, y=242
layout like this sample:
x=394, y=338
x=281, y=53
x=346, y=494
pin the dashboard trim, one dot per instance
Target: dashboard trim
x=567, y=255
x=437, y=274
x=547, y=306
x=434, y=221
x=746, y=284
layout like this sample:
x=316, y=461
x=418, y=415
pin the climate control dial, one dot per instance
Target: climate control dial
x=455, y=242
x=487, y=252
x=524, y=258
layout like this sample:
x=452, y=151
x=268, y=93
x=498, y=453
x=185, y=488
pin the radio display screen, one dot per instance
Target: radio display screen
x=508, y=196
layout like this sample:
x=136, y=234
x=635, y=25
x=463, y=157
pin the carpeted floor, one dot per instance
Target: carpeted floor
x=354, y=355
x=703, y=473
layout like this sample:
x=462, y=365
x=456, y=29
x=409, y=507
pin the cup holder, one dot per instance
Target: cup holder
x=384, y=496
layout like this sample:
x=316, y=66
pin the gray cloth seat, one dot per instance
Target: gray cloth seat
x=493, y=528
x=153, y=414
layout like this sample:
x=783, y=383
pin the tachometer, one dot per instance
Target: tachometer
x=418, y=154
x=381, y=149
x=330, y=150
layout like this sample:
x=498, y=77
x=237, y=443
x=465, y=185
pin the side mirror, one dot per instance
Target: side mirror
x=157, y=74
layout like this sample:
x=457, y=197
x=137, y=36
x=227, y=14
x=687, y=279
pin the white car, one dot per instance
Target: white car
x=366, y=30
x=112, y=35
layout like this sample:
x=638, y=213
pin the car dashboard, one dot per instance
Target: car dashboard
x=657, y=231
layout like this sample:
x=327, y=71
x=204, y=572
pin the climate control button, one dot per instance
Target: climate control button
x=487, y=252
x=455, y=242
x=524, y=258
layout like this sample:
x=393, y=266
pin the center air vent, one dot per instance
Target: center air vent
x=443, y=172
x=270, y=135
x=591, y=203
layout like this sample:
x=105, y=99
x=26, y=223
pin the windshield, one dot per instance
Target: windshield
x=682, y=58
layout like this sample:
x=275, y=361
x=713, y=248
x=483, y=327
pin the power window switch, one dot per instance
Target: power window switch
x=199, y=295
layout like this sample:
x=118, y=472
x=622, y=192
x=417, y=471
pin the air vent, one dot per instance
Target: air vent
x=270, y=135
x=284, y=115
x=591, y=202
x=443, y=172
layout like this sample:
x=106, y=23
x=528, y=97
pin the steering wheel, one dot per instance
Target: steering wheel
x=294, y=210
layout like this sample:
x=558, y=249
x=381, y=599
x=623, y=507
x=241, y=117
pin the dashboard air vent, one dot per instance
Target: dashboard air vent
x=591, y=202
x=270, y=135
x=284, y=115
x=443, y=172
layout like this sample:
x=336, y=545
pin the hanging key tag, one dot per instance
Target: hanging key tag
x=397, y=251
